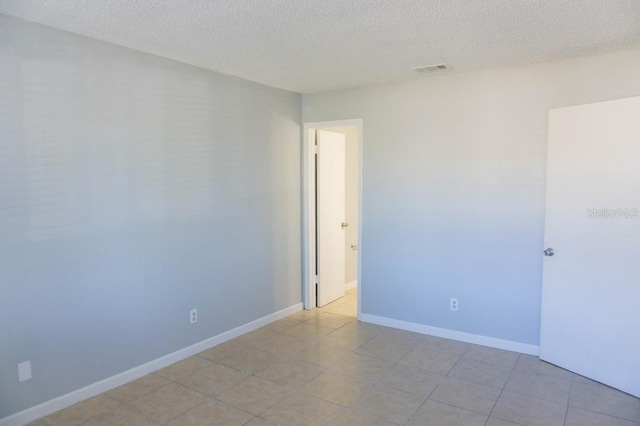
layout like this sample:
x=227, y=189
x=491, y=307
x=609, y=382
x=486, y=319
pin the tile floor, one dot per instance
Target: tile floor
x=322, y=367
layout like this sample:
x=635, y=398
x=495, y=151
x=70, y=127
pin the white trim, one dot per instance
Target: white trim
x=352, y=284
x=309, y=205
x=64, y=401
x=477, y=339
x=308, y=187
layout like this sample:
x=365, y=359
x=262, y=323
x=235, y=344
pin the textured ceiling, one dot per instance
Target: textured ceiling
x=316, y=45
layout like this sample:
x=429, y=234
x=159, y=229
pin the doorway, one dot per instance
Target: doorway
x=351, y=130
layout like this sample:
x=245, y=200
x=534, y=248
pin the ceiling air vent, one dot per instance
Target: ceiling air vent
x=432, y=69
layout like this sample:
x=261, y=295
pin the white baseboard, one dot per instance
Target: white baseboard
x=477, y=339
x=352, y=284
x=64, y=401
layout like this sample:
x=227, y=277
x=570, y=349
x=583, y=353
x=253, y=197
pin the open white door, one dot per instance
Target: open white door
x=330, y=215
x=591, y=282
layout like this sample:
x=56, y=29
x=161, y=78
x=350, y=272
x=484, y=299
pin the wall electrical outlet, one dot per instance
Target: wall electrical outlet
x=453, y=304
x=193, y=316
x=24, y=371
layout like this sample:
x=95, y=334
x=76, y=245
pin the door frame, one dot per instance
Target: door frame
x=309, y=207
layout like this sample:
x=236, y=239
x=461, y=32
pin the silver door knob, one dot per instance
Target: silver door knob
x=548, y=252
x=344, y=225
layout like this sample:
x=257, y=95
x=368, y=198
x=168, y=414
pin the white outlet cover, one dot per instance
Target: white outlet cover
x=24, y=371
x=453, y=304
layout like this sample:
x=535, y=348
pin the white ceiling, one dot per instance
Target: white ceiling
x=310, y=46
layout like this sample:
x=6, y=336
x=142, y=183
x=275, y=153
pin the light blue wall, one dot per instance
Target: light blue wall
x=454, y=188
x=133, y=189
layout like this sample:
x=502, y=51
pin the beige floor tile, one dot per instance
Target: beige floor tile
x=83, y=411
x=222, y=350
x=390, y=405
x=251, y=360
x=352, y=291
x=434, y=413
x=436, y=361
x=319, y=355
x=605, y=400
x=493, y=421
x=353, y=303
x=340, y=342
x=492, y=356
x=212, y=379
x=362, y=328
x=301, y=409
x=308, y=330
x=401, y=336
x=139, y=387
x=344, y=338
x=467, y=395
x=481, y=372
x=168, y=402
x=580, y=417
x=410, y=380
x=361, y=366
x=445, y=345
x=529, y=411
x=355, y=418
x=539, y=386
x=327, y=308
x=257, y=421
x=535, y=365
x=336, y=388
x=283, y=324
x=250, y=339
x=281, y=345
x=290, y=374
x=331, y=320
x=304, y=315
x=345, y=309
x=254, y=395
x=212, y=413
x=121, y=416
x=386, y=348
x=184, y=368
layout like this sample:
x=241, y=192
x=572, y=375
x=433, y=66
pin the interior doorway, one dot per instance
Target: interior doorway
x=323, y=138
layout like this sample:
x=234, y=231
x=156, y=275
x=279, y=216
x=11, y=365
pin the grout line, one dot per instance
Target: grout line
x=500, y=395
x=566, y=412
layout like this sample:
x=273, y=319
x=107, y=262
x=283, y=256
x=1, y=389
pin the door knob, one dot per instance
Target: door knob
x=548, y=252
x=344, y=225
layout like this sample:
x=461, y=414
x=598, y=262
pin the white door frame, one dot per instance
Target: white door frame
x=309, y=207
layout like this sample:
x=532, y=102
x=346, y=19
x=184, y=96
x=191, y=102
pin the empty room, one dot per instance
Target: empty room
x=366, y=212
